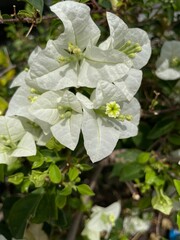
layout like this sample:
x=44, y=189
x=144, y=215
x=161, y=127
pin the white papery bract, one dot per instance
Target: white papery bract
x=63, y=112
x=101, y=221
x=101, y=132
x=168, y=64
x=74, y=60
x=14, y=140
x=76, y=85
x=133, y=42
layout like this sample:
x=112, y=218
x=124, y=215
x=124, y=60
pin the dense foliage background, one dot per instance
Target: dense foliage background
x=142, y=173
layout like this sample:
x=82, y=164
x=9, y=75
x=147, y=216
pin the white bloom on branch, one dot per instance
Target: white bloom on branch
x=63, y=112
x=14, y=140
x=106, y=120
x=168, y=64
x=74, y=59
x=101, y=221
x=133, y=42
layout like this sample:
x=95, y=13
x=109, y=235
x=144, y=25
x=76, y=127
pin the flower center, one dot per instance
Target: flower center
x=175, y=62
x=6, y=144
x=112, y=109
x=130, y=49
x=64, y=112
x=75, y=54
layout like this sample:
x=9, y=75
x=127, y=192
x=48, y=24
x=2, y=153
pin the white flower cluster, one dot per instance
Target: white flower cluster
x=76, y=85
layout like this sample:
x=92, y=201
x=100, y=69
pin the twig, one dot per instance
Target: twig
x=26, y=19
x=159, y=219
x=133, y=190
x=137, y=236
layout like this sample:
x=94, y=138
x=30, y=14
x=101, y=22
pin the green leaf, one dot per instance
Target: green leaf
x=73, y=173
x=16, y=178
x=60, y=200
x=143, y=157
x=37, y=4
x=66, y=191
x=161, y=128
x=128, y=171
x=177, y=185
x=84, y=189
x=162, y=202
x=22, y=211
x=3, y=105
x=46, y=210
x=55, y=173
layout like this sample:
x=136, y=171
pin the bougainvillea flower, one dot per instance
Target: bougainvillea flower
x=105, y=121
x=14, y=140
x=63, y=112
x=134, y=42
x=101, y=221
x=74, y=60
x=168, y=64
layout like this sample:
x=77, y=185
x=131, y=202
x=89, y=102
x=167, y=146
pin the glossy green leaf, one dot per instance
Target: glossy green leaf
x=16, y=178
x=73, y=173
x=174, y=139
x=3, y=105
x=22, y=211
x=60, y=200
x=143, y=157
x=55, y=173
x=66, y=191
x=2, y=169
x=84, y=189
x=38, y=178
x=46, y=210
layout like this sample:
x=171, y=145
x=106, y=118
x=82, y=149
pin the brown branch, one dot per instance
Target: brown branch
x=26, y=19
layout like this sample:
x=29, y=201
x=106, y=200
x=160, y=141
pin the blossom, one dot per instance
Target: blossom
x=63, y=112
x=168, y=64
x=101, y=220
x=73, y=59
x=133, y=42
x=102, y=131
x=14, y=140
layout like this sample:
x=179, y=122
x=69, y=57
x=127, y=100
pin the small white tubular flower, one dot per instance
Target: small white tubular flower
x=134, y=42
x=14, y=140
x=63, y=112
x=101, y=221
x=168, y=64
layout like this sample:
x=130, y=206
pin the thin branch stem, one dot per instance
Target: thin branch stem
x=26, y=19
x=7, y=70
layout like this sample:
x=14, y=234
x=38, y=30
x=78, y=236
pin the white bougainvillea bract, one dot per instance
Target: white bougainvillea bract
x=75, y=85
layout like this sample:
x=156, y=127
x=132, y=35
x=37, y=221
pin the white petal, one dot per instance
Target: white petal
x=130, y=84
x=84, y=101
x=45, y=107
x=67, y=131
x=100, y=137
x=19, y=103
x=26, y=147
x=11, y=128
x=47, y=73
x=98, y=65
x=77, y=22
